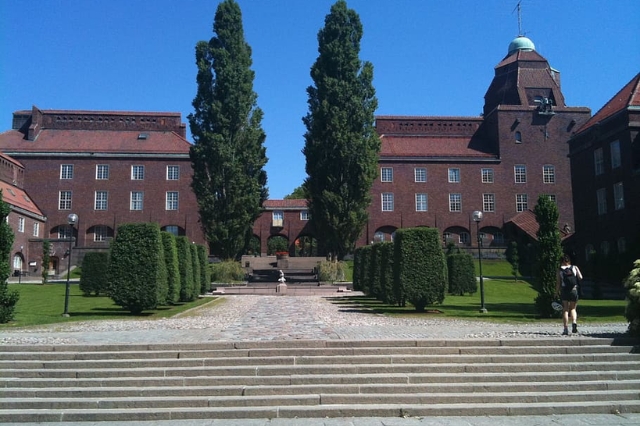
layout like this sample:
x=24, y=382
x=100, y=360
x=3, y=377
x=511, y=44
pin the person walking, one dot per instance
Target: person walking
x=567, y=285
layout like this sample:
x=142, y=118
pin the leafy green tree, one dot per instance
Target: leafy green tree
x=95, y=271
x=8, y=299
x=549, y=252
x=173, y=271
x=513, y=259
x=277, y=244
x=341, y=144
x=205, y=271
x=299, y=193
x=185, y=264
x=228, y=154
x=632, y=311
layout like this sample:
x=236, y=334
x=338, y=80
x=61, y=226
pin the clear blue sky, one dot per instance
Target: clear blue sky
x=430, y=57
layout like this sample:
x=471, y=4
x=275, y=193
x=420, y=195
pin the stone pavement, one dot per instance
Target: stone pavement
x=284, y=318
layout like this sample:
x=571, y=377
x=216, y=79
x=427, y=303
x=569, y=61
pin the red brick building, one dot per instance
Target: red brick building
x=107, y=167
x=435, y=171
x=25, y=218
x=605, y=167
x=288, y=219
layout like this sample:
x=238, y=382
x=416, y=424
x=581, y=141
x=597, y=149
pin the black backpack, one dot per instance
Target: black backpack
x=569, y=278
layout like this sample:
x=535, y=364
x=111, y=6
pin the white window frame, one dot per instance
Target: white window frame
x=616, y=159
x=277, y=218
x=520, y=173
x=598, y=161
x=386, y=174
x=488, y=202
x=136, y=201
x=618, y=196
x=137, y=172
x=454, y=175
x=304, y=215
x=102, y=172
x=65, y=232
x=522, y=202
x=172, y=200
x=487, y=175
x=552, y=198
x=66, y=171
x=64, y=200
x=173, y=172
x=100, y=233
x=422, y=202
x=101, y=200
x=548, y=173
x=455, y=202
x=20, y=224
x=420, y=174
x=36, y=229
x=387, y=201
x=601, y=201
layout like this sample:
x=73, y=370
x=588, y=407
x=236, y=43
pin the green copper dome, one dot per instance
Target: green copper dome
x=520, y=43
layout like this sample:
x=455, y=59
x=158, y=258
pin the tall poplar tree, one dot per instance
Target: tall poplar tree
x=228, y=154
x=549, y=250
x=341, y=144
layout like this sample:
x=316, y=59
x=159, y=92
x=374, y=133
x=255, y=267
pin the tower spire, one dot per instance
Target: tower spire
x=519, y=9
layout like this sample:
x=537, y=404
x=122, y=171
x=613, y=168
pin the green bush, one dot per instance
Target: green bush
x=374, y=283
x=95, y=269
x=185, y=265
x=365, y=268
x=173, y=270
x=632, y=311
x=419, y=266
x=137, y=270
x=357, y=269
x=385, y=255
x=331, y=271
x=205, y=272
x=277, y=244
x=227, y=271
x=461, y=272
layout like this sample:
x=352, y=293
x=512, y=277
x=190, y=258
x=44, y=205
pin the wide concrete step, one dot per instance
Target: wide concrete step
x=331, y=378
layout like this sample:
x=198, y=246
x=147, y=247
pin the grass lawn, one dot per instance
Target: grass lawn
x=505, y=300
x=44, y=304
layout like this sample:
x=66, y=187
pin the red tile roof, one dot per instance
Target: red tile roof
x=628, y=96
x=11, y=160
x=98, y=141
x=18, y=198
x=425, y=146
x=293, y=204
x=527, y=222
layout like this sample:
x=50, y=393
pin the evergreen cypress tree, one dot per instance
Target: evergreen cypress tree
x=549, y=250
x=341, y=144
x=8, y=299
x=228, y=154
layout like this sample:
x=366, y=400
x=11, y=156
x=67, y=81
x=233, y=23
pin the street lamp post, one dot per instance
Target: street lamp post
x=477, y=217
x=72, y=219
x=21, y=265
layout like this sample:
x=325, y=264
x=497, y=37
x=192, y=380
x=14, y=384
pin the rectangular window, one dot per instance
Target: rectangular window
x=137, y=198
x=601, y=197
x=548, y=174
x=464, y=238
x=387, y=202
x=488, y=202
x=615, y=154
x=66, y=171
x=65, y=232
x=552, y=198
x=102, y=171
x=137, y=172
x=304, y=215
x=21, y=224
x=422, y=202
x=487, y=175
x=618, y=195
x=522, y=202
x=455, y=202
x=101, y=200
x=172, y=200
x=173, y=172
x=64, y=200
x=172, y=229
x=598, y=161
x=520, y=173
x=386, y=174
x=277, y=218
x=36, y=229
x=420, y=174
x=454, y=175
x=100, y=233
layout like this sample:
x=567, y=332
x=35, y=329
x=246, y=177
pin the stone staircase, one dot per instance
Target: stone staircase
x=317, y=379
